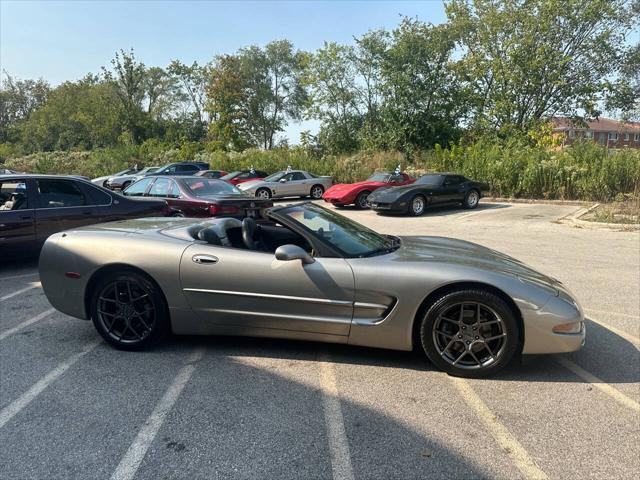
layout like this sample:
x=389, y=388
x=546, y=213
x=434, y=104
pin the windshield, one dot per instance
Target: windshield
x=347, y=236
x=275, y=177
x=203, y=187
x=148, y=170
x=230, y=176
x=430, y=180
x=379, y=177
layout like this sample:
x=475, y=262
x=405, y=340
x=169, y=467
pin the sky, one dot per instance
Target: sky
x=64, y=40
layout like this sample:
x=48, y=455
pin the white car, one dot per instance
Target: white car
x=288, y=183
x=102, y=181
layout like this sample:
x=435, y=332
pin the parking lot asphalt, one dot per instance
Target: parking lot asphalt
x=220, y=407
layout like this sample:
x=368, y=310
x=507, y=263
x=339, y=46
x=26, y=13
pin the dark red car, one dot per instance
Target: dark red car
x=211, y=173
x=342, y=194
x=241, y=176
x=190, y=196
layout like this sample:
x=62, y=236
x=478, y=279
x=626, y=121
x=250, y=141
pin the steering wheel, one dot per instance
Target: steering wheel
x=248, y=233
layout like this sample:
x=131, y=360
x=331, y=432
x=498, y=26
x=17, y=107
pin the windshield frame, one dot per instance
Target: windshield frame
x=321, y=245
x=387, y=177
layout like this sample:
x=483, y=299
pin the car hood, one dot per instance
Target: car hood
x=389, y=193
x=347, y=187
x=466, y=254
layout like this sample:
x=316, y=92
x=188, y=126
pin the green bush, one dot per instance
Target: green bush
x=515, y=169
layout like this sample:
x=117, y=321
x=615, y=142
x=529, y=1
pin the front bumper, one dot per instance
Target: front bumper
x=390, y=207
x=539, y=335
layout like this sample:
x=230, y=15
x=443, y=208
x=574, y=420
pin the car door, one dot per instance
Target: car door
x=453, y=190
x=17, y=213
x=62, y=205
x=296, y=184
x=251, y=289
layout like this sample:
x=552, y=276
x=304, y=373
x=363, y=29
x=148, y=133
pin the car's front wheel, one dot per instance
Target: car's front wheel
x=129, y=311
x=470, y=333
x=263, y=193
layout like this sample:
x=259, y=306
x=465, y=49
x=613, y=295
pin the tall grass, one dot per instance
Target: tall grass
x=580, y=172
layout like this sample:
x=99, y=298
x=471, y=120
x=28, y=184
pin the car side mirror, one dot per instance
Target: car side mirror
x=283, y=180
x=293, y=252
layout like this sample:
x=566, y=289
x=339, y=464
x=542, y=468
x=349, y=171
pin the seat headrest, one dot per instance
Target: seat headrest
x=210, y=236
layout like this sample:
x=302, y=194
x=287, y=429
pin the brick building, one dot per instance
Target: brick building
x=605, y=131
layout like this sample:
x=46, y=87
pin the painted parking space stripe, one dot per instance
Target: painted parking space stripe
x=27, y=397
x=519, y=456
x=627, y=336
x=336, y=433
x=132, y=459
x=600, y=384
x=26, y=323
x=22, y=275
x=22, y=290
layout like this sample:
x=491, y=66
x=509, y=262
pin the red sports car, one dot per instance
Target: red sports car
x=191, y=196
x=241, y=176
x=357, y=193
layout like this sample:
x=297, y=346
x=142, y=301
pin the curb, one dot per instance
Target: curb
x=574, y=219
x=534, y=200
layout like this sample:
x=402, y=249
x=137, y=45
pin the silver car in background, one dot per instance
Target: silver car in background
x=288, y=183
x=120, y=182
x=308, y=273
x=102, y=181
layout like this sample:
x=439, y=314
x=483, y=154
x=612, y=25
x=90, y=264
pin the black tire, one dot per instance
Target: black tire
x=361, y=199
x=264, y=191
x=316, y=192
x=480, y=353
x=413, y=209
x=129, y=325
x=178, y=214
x=471, y=199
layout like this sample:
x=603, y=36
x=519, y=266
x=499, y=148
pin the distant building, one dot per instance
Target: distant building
x=605, y=131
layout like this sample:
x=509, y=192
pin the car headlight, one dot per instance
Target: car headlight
x=573, y=327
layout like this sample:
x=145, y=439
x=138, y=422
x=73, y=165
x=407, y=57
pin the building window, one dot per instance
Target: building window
x=572, y=134
x=626, y=137
x=636, y=137
x=603, y=137
x=588, y=134
x=613, y=136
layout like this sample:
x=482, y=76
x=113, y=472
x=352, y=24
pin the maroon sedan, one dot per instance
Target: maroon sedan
x=199, y=197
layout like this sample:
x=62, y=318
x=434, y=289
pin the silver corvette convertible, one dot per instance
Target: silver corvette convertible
x=306, y=272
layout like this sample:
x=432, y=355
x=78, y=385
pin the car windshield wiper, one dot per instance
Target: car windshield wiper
x=392, y=246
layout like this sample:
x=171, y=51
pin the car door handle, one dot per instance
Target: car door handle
x=204, y=259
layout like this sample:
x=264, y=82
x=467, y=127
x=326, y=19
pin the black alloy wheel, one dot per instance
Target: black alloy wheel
x=470, y=333
x=129, y=311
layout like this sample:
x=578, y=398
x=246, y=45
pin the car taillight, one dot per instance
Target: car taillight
x=215, y=209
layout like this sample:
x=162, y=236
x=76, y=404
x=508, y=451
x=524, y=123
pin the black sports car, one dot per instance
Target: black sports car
x=431, y=189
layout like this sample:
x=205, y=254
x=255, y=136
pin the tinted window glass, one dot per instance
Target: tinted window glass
x=396, y=179
x=138, y=188
x=60, y=193
x=174, y=191
x=430, y=180
x=298, y=176
x=453, y=180
x=201, y=187
x=160, y=188
x=98, y=197
x=186, y=168
x=13, y=195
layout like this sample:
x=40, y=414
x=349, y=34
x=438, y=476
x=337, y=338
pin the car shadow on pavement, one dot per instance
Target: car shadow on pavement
x=451, y=209
x=606, y=355
x=10, y=265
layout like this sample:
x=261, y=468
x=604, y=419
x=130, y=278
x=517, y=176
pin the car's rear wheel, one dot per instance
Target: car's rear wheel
x=317, y=191
x=470, y=333
x=362, y=200
x=178, y=214
x=471, y=200
x=129, y=311
x=417, y=206
x=263, y=193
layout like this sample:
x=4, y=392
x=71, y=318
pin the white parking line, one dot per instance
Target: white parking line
x=627, y=336
x=27, y=397
x=132, y=459
x=26, y=323
x=500, y=433
x=338, y=443
x=22, y=290
x=600, y=384
x=23, y=275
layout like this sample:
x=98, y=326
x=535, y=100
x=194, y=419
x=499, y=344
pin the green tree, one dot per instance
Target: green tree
x=18, y=99
x=624, y=93
x=129, y=78
x=193, y=80
x=525, y=60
